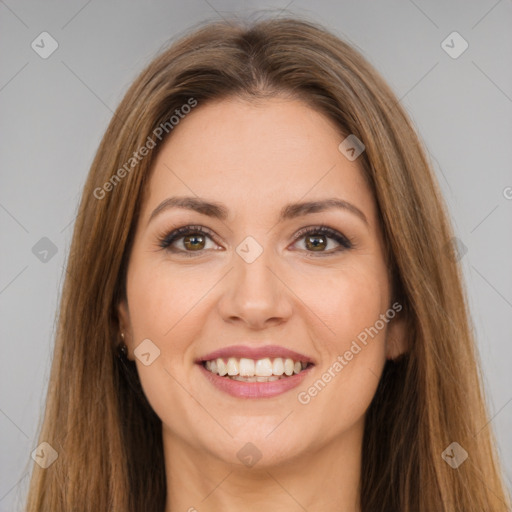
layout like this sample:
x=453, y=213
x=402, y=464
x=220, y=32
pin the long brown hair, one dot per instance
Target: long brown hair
x=108, y=438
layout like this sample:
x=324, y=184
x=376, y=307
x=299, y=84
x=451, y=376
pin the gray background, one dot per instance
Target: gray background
x=55, y=110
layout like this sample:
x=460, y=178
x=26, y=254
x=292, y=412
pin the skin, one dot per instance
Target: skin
x=255, y=158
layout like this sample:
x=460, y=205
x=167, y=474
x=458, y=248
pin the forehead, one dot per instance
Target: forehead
x=256, y=155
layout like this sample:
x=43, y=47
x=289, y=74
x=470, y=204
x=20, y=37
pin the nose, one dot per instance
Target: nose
x=254, y=293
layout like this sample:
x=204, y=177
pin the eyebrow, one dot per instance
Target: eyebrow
x=290, y=211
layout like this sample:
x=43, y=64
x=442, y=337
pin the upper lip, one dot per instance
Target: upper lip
x=259, y=352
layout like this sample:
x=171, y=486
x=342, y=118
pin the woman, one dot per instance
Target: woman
x=208, y=357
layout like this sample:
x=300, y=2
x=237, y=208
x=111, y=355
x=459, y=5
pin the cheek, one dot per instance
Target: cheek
x=360, y=330
x=347, y=301
x=162, y=302
x=353, y=349
x=163, y=308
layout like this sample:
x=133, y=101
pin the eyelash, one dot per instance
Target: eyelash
x=166, y=239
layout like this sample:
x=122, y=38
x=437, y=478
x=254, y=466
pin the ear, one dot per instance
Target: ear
x=397, y=335
x=123, y=316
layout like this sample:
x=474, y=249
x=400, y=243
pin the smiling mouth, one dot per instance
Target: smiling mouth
x=255, y=370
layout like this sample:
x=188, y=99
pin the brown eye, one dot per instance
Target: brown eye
x=194, y=242
x=316, y=242
x=186, y=240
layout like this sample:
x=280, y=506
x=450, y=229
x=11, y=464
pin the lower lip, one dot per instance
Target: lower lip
x=241, y=389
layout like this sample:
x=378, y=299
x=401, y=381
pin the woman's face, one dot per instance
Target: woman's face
x=253, y=290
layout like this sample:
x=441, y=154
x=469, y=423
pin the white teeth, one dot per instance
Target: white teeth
x=244, y=379
x=263, y=367
x=221, y=367
x=232, y=366
x=255, y=379
x=250, y=370
x=278, y=366
x=246, y=367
